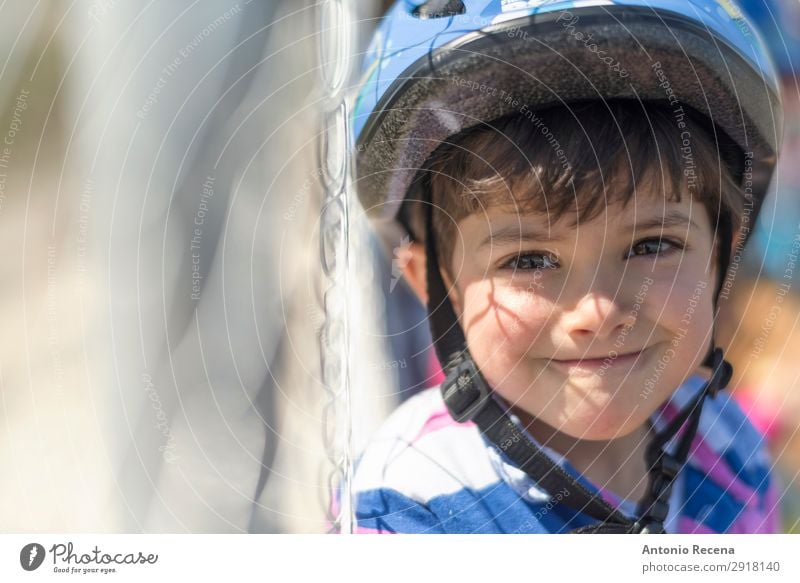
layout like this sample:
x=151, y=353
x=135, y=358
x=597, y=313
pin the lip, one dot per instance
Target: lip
x=594, y=365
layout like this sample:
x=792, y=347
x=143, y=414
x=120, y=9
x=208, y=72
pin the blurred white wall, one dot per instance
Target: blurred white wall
x=159, y=365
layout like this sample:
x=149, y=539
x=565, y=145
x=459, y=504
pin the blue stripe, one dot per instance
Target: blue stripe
x=722, y=414
x=742, y=451
x=496, y=509
x=708, y=503
x=388, y=510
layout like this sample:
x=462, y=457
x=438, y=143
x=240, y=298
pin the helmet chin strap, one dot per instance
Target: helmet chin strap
x=469, y=397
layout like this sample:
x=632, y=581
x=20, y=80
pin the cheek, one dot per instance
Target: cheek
x=683, y=303
x=507, y=317
x=681, y=313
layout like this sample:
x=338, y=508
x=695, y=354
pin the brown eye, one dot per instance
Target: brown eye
x=653, y=247
x=533, y=261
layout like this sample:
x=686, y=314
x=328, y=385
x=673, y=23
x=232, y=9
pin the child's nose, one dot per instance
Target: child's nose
x=599, y=316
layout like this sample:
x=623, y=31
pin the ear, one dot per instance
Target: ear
x=412, y=260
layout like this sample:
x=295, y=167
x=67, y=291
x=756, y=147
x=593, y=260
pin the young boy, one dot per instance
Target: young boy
x=571, y=239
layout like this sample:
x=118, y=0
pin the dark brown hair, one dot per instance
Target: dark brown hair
x=575, y=160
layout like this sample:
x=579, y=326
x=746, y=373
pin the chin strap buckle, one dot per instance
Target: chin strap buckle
x=655, y=505
x=465, y=392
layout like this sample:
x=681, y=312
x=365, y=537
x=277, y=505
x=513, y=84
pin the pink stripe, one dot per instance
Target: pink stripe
x=668, y=412
x=753, y=520
x=688, y=526
x=718, y=470
x=750, y=521
x=610, y=497
x=439, y=420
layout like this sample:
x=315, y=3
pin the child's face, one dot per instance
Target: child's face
x=534, y=299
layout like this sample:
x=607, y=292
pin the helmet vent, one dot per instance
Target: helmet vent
x=439, y=9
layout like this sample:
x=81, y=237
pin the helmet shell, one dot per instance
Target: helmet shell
x=426, y=79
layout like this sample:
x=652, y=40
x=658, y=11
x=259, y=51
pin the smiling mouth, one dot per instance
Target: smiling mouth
x=602, y=362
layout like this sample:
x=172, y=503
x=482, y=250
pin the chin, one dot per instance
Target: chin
x=605, y=435
x=602, y=425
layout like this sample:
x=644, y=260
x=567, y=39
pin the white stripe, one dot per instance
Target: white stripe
x=443, y=462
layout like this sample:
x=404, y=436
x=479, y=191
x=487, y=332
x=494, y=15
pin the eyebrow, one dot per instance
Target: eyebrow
x=671, y=219
x=514, y=234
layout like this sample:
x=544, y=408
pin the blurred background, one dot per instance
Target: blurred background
x=161, y=284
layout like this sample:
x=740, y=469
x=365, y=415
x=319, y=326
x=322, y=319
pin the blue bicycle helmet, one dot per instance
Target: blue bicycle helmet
x=427, y=76
x=428, y=60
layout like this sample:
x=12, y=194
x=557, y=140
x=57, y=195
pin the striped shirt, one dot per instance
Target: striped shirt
x=425, y=473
